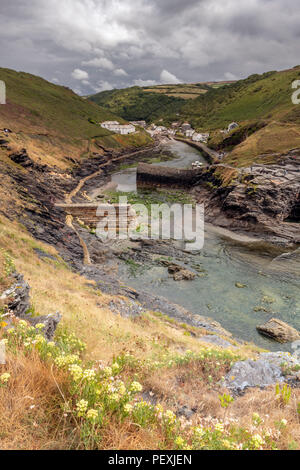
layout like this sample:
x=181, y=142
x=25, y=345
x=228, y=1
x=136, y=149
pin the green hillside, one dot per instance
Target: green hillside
x=152, y=103
x=266, y=96
x=51, y=121
x=138, y=104
x=55, y=107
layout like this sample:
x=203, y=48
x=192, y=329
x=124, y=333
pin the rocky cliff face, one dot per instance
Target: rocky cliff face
x=261, y=198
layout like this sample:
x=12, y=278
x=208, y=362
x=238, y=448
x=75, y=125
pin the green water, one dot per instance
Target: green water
x=225, y=261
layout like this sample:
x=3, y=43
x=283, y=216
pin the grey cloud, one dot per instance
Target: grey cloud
x=134, y=41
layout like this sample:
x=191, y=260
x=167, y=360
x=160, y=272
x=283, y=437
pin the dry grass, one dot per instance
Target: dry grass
x=262, y=146
x=30, y=413
x=86, y=312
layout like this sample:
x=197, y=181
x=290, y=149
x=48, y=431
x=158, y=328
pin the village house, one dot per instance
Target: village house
x=189, y=132
x=198, y=137
x=115, y=126
x=139, y=123
x=186, y=126
x=232, y=126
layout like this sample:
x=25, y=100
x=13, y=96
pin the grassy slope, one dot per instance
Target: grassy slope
x=36, y=392
x=152, y=103
x=52, y=120
x=258, y=98
x=135, y=103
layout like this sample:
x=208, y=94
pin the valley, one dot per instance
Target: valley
x=163, y=326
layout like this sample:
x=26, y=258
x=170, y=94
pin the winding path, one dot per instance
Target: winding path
x=81, y=183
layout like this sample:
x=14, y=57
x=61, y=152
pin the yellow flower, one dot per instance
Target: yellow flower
x=92, y=415
x=170, y=416
x=136, y=387
x=115, y=367
x=76, y=372
x=107, y=371
x=257, y=441
x=179, y=442
x=121, y=388
x=128, y=408
x=81, y=407
x=219, y=427
x=4, y=378
x=40, y=326
x=89, y=374
x=199, y=432
x=226, y=444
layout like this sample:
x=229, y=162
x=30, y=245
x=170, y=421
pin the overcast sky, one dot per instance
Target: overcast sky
x=95, y=45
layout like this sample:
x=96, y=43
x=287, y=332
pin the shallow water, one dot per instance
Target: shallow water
x=226, y=259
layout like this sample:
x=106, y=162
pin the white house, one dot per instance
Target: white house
x=115, y=126
x=189, y=132
x=109, y=124
x=232, y=126
x=198, y=137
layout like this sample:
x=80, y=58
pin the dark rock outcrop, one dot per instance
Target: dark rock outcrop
x=261, y=198
x=260, y=373
x=17, y=297
x=279, y=331
x=17, y=301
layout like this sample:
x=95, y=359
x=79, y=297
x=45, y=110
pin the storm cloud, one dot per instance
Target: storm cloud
x=94, y=45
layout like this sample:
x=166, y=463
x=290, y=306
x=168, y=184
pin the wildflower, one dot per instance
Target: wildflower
x=115, y=367
x=170, y=416
x=219, y=427
x=283, y=422
x=40, y=326
x=4, y=378
x=179, y=441
x=136, y=387
x=226, y=444
x=107, y=371
x=81, y=407
x=39, y=339
x=23, y=323
x=76, y=372
x=128, y=408
x=199, y=432
x=121, y=388
x=92, y=415
x=256, y=419
x=159, y=409
x=65, y=360
x=114, y=397
x=89, y=374
x=257, y=441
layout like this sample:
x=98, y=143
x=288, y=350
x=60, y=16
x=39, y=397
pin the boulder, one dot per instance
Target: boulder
x=184, y=274
x=50, y=321
x=179, y=272
x=260, y=373
x=17, y=297
x=18, y=303
x=279, y=331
